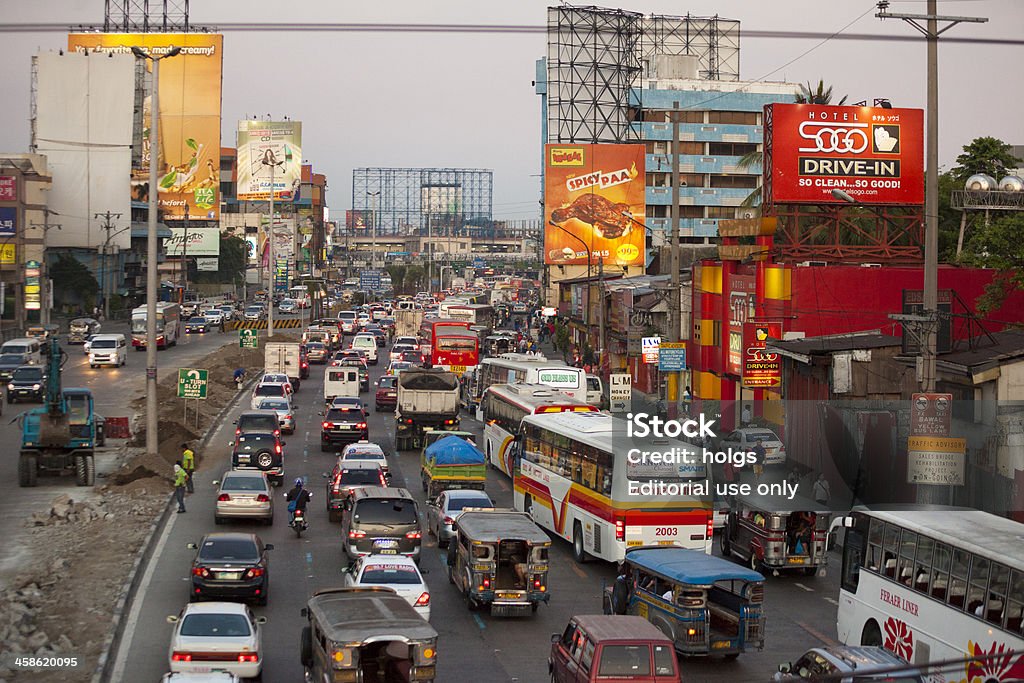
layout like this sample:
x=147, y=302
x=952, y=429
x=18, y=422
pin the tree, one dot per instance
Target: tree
x=231, y=263
x=73, y=282
x=998, y=245
x=817, y=95
x=414, y=277
x=987, y=155
x=397, y=274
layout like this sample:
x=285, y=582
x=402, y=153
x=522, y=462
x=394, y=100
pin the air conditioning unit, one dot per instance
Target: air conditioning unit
x=746, y=213
x=810, y=264
x=871, y=265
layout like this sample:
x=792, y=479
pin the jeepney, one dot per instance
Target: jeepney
x=499, y=558
x=776, y=534
x=707, y=605
x=366, y=634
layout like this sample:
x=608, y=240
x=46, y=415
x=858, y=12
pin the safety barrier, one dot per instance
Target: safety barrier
x=293, y=323
x=117, y=428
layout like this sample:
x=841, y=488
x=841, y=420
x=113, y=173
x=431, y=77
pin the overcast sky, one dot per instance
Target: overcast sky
x=399, y=99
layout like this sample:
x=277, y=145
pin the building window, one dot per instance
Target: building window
x=657, y=147
x=748, y=118
x=721, y=212
x=692, y=179
x=691, y=212
x=692, y=148
x=685, y=116
x=731, y=149
x=745, y=181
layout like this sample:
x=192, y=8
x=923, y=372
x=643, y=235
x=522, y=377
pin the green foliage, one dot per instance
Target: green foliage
x=397, y=274
x=984, y=155
x=998, y=245
x=73, y=282
x=809, y=94
x=415, y=276
x=234, y=254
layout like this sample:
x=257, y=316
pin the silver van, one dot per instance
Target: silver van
x=28, y=346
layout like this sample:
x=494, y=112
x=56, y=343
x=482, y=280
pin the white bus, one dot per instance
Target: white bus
x=936, y=584
x=574, y=478
x=168, y=325
x=300, y=295
x=503, y=408
x=523, y=368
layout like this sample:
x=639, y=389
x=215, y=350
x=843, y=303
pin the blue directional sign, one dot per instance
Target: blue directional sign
x=672, y=357
x=369, y=280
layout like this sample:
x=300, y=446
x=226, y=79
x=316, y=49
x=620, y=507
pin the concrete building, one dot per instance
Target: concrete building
x=25, y=183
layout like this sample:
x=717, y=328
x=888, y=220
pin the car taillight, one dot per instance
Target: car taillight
x=356, y=533
x=223, y=497
x=709, y=527
x=278, y=448
x=263, y=498
x=181, y=656
x=305, y=365
x=620, y=530
x=485, y=583
x=287, y=417
x=537, y=583
x=277, y=432
x=449, y=520
x=423, y=600
x=248, y=657
x=238, y=430
x=361, y=425
x=200, y=571
x=254, y=572
x=413, y=534
x=328, y=425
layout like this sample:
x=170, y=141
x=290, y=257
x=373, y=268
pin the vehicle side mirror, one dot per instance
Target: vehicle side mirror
x=284, y=443
x=555, y=637
x=304, y=611
x=261, y=620
x=324, y=475
x=235, y=422
x=269, y=546
x=347, y=569
x=193, y=546
x=785, y=668
x=215, y=482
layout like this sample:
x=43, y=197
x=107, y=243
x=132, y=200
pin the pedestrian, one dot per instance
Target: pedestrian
x=745, y=415
x=759, y=454
x=822, y=490
x=188, y=463
x=180, y=478
x=793, y=479
x=687, y=399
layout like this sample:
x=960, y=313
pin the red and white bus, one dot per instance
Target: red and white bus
x=454, y=349
x=934, y=585
x=576, y=480
x=431, y=327
x=168, y=325
x=503, y=408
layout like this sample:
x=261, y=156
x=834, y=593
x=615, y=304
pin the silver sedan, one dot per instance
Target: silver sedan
x=284, y=413
x=244, y=495
x=443, y=511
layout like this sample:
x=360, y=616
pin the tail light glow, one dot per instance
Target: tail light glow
x=449, y=520
x=356, y=533
x=200, y=571
x=486, y=583
x=413, y=534
x=278, y=449
x=423, y=600
x=248, y=657
x=223, y=498
x=254, y=572
x=620, y=530
x=181, y=657
x=709, y=527
x=263, y=498
x=327, y=425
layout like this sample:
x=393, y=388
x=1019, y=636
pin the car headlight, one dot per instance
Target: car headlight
x=36, y=386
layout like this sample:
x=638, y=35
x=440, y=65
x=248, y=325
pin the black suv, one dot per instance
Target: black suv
x=381, y=521
x=232, y=566
x=347, y=476
x=259, y=451
x=27, y=382
x=343, y=425
x=259, y=421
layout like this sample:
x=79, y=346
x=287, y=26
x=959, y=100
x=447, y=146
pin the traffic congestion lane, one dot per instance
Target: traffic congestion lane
x=473, y=645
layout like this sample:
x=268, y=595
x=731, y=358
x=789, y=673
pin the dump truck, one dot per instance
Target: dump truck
x=452, y=462
x=427, y=398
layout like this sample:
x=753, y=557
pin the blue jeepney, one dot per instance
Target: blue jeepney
x=706, y=605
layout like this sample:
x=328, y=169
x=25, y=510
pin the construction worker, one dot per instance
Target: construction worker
x=179, y=485
x=188, y=463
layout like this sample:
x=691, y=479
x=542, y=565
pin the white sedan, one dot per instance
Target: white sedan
x=216, y=636
x=212, y=677
x=414, y=342
x=396, y=572
x=746, y=438
x=263, y=391
x=214, y=315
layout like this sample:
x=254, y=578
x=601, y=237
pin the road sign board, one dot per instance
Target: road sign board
x=369, y=280
x=936, y=460
x=248, y=339
x=192, y=383
x=620, y=391
x=672, y=356
x=650, y=346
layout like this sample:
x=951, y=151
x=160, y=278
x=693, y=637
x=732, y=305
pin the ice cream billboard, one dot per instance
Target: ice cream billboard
x=594, y=202
x=874, y=155
x=190, y=97
x=269, y=151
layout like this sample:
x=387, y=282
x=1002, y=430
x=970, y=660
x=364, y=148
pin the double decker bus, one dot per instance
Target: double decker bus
x=431, y=327
x=474, y=314
x=936, y=584
x=503, y=408
x=523, y=368
x=168, y=325
x=456, y=350
x=576, y=480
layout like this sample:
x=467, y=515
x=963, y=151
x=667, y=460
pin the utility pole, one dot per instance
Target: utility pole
x=108, y=225
x=675, y=378
x=44, y=274
x=927, y=370
x=600, y=314
x=373, y=227
x=270, y=246
x=184, y=256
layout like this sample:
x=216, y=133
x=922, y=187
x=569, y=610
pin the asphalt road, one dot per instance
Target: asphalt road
x=473, y=646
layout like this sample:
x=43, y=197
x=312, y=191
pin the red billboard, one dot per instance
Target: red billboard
x=594, y=204
x=761, y=370
x=8, y=188
x=874, y=155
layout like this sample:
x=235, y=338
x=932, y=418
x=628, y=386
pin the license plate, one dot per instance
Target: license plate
x=721, y=645
x=243, y=457
x=231, y=576
x=458, y=369
x=387, y=551
x=385, y=544
x=797, y=560
x=508, y=596
x=200, y=669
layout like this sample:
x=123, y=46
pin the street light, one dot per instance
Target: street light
x=270, y=159
x=152, y=422
x=373, y=227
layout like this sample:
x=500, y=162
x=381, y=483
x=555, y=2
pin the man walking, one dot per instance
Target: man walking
x=822, y=490
x=759, y=454
x=188, y=463
x=179, y=485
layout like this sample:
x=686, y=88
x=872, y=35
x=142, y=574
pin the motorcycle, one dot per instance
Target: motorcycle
x=299, y=523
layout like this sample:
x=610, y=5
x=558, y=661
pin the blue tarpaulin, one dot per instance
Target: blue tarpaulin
x=454, y=450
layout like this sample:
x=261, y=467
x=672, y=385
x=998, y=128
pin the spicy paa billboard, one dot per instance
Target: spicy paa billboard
x=875, y=155
x=591, y=195
x=190, y=106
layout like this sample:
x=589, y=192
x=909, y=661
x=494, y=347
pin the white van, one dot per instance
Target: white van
x=349, y=322
x=341, y=381
x=108, y=349
x=595, y=390
x=367, y=343
x=28, y=346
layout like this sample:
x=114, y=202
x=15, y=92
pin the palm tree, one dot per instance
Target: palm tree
x=819, y=95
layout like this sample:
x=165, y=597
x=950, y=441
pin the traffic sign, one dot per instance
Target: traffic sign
x=672, y=356
x=650, y=346
x=192, y=383
x=620, y=391
x=248, y=339
x=369, y=280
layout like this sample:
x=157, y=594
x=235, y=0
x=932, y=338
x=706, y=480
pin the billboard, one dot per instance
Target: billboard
x=201, y=242
x=591, y=193
x=761, y=369
x=8, y=188
x=8, y=220
x=358, y=219
x=190, y=106
x=265, y=149
x=875, y=155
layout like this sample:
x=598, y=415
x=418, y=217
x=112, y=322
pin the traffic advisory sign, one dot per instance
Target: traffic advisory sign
x=936, y=460
x=192, y=383
x=248, y=339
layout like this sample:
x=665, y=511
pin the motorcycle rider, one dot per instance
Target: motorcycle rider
x=301, y=496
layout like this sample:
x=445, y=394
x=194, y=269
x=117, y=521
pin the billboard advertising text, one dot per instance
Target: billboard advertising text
x=591, y=195
x=269, y=150
x=8, y=188
x=874, y=155
x=190, y=97
x=761, y=369
x=201, y=242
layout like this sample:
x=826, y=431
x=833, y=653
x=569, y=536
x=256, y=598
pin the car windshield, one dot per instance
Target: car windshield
x=215, y=625
x=212, y=313
x=28, y=374
x=224, y=550
x=236, y=483
x=366, y=476
x=253, y=309
x=625, y=660
x=390, y=573
x=273, y=405
x=461, y=502
x=762, y=435
x=197, y=320
x=250, y=441
x=314, y=346
x=386, y=511
x=345, y=413
x=104, y=344
x=269, y=389
x=364, y=455
x=11, y=359
x=386, y=383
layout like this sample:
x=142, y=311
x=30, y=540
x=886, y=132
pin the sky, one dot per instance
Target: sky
x=466, y=100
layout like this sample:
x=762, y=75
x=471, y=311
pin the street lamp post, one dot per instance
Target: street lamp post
x=271, y=160
x=373, y=227
x=152, y=422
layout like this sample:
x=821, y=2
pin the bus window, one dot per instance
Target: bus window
x=890, y=544
x=923, y=565
x=977, y=594
x=905, y=568
x=997, y=594
x=940, y=571
x=958, y=583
